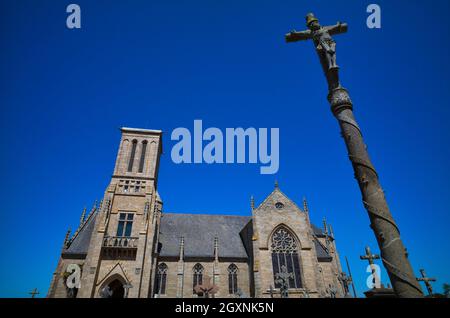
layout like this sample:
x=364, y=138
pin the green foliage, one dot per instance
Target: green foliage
x=446, y=288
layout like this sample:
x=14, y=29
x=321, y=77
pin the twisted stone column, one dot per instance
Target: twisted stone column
x=393, y=252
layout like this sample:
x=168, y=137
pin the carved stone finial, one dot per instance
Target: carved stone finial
x=306, y=210
x=83, y=214
x=66, y=239
x=181, y=247
x=330, y=228
x=276, y=184
x=216, y=248
x=252, y=202
x=325, y=227
x=305, y=205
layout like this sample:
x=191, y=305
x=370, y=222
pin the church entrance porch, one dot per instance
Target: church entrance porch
x=115, y=289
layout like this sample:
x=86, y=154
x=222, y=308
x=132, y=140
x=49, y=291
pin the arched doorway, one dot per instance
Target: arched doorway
x=113, y=289
x=117, y=289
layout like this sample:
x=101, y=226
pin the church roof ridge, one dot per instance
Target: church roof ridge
x=207, y=214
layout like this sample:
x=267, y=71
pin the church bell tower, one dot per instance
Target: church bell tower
x=119, y=260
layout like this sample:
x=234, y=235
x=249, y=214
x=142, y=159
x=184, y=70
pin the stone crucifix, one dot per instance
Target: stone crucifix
x=345, y=281
x=321, y=36
x=370, y=258
x=282, y=278
x=34, y=292
x=206, y=288
x=427, y=281
x=387, y=233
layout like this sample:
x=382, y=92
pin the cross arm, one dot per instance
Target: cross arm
x=295, y=36
x=338, y=28
x=374, y=256
x=426, y=279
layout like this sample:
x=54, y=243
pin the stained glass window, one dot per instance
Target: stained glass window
x=232, y=279
x=197, y=273
x=161, y=279
x=285, y=252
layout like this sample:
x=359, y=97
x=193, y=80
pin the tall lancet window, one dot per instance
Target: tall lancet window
x=132, y=155
x=161, y=279
x=142, y=160
x=285, y=254
x=232, y=279
x=197, y=276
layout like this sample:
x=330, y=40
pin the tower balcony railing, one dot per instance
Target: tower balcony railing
x=120, y=242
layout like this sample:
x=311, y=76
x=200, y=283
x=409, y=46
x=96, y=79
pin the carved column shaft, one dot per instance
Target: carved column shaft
x=393, y=252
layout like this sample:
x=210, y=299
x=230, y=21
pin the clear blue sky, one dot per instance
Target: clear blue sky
x=162, y=64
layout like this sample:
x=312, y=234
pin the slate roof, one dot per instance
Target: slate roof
x=322, y=254
x=199, y=231
x=80, y=243
x=317, y=230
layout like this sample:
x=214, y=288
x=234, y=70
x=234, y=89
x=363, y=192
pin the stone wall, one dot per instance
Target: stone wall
x=220, y=279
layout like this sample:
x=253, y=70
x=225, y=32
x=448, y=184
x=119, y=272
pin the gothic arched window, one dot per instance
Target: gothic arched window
x=133, y=153
x=161, y=279
x=142, y=160
x=285, y=254
x=232, y=279
x=197, y=276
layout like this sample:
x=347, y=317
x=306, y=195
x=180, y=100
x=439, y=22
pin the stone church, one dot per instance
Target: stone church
x=128, y=247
